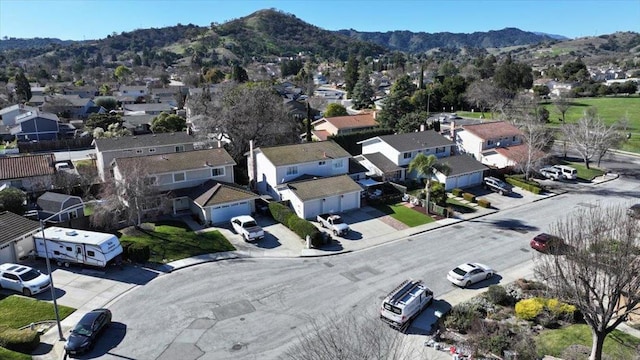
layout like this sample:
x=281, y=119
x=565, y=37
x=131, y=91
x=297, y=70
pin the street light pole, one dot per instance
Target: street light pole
x=53, y=289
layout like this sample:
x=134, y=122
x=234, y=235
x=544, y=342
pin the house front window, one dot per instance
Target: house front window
x=338, y=164
x=440, y=150
x=292, y=170
x=150, y=180
x=322, y=163
x=489, y=142
x=178, y=177
x=515, y=138
x=406, y=155
x=180, y=148
x=138, y=151
x=217, y=172
x=152, y=150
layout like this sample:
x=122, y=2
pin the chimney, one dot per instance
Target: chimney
x=251, y=163
x=375, y=114
x=422, y=127
x=219, y=144
x=452, y=131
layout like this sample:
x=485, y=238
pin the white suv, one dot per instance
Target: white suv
x=551, y=172
x=22, y=278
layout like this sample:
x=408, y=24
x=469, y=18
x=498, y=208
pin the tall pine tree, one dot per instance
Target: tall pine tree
x=351, y=74
x=23, y=88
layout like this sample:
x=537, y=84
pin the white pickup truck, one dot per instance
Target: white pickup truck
x=335, y=223
x=247, y=226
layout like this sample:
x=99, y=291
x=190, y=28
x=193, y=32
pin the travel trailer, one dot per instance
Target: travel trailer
x=70, y=246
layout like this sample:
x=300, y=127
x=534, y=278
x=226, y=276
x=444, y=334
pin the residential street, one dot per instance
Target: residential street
x=254, y=308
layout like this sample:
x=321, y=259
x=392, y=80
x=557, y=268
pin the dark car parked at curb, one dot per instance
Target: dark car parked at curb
x=497, y=185
x=85, y=333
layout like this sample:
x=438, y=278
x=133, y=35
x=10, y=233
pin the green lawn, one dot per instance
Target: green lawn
x=171, y=241
x=405, y=215
x=610, y=109
x=17, y=311
x=618, y=345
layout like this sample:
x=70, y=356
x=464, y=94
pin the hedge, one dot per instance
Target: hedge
x=456, y=192
x=24, y=341
x=484, y=203
x=525, y=185
x=135, y=252
x=301, y=227
x=530, y=309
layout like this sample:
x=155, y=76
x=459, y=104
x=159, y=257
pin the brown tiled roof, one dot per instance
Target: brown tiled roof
x=304, y=153
x=19, y=167
x=13, y=226
x=353, y=121
x=186, y=160
x=321, y=134
x=324, y=187
x=214, y=192
x=492, y=130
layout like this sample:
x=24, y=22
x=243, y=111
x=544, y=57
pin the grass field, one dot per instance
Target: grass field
x=617, y=345
x=610, y=109
x=171, y=241
x=405, y=215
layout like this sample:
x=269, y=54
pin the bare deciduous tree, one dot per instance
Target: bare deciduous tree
x=599, y=269
x=241, y=113
x=350, y=337
x=590, y=136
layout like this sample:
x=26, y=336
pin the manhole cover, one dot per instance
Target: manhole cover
x=236, y=347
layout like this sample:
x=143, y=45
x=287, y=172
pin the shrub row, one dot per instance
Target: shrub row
x=135, y=252
x=545, y=311
x=301, y=227
x=24, y=341
x=525, y=185
x=456, y=192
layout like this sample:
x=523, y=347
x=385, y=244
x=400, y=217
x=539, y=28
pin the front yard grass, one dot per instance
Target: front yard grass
x=583, y=172
x=17, y=311
x=405, y=215
x=173, y=240
x=618, y=345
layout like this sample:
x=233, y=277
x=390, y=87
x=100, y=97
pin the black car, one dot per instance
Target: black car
x=85, y=333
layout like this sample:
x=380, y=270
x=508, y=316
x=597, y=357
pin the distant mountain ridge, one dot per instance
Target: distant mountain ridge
x=421, y=42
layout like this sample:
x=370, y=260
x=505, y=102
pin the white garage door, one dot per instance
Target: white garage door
x=351, y=201
x=331, y=205
x=476, y=179
x=463, y=181
x=224, y=213
x=6, y=253
x=312, y=208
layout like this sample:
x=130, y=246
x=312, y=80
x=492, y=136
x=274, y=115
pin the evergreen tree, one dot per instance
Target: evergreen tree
x=23, y=88
x=363, y=92
x=239, y=74
x=351, y=74
x=308, y=123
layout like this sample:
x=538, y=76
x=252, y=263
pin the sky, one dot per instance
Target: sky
x=95, y=19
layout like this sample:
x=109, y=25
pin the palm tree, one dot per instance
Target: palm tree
x=427, y=165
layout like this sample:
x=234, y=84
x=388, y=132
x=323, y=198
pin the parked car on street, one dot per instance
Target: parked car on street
x=23, y=279
x=497, y=185
x=544, y=242
x=469, y=273
x=551, y=172
x=568, y=172
x=84, y=335
x=247, y=226
x=334, y=223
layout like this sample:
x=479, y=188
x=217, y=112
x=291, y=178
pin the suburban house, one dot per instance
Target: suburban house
x=338, y=125
x=16, y=237
x=313, y=177
x=389, y=157
x=107, y=149
x=198, y=182
x=74, y=106
x=10, y=113
x=135, y=91
x=147, y=109
x=87, y=91
x=138, y=124
x=36, y=125
x=497, y=144
x=27, y=172
x=51, y=203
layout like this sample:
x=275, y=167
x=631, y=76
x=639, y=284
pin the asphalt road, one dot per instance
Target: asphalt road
x=256, y=308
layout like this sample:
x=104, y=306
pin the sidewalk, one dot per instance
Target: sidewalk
x=52, y=349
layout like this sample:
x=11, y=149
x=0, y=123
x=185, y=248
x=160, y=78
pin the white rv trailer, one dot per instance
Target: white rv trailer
x=71, y=246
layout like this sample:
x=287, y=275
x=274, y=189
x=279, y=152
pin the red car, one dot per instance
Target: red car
x=543, y=242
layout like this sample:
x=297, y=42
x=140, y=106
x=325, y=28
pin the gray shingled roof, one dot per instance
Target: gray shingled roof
x=52, y=202
x=324, y=187
x=186, y=160
x=13, y=226
x=304, y=153
x=462, y=164
x=416, y=140
x=215, y=192
x=142, y=141
x=382, y=162
x=355, y=167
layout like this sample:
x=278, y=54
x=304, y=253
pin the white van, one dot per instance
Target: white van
x=405, y=303
x=568, y=172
